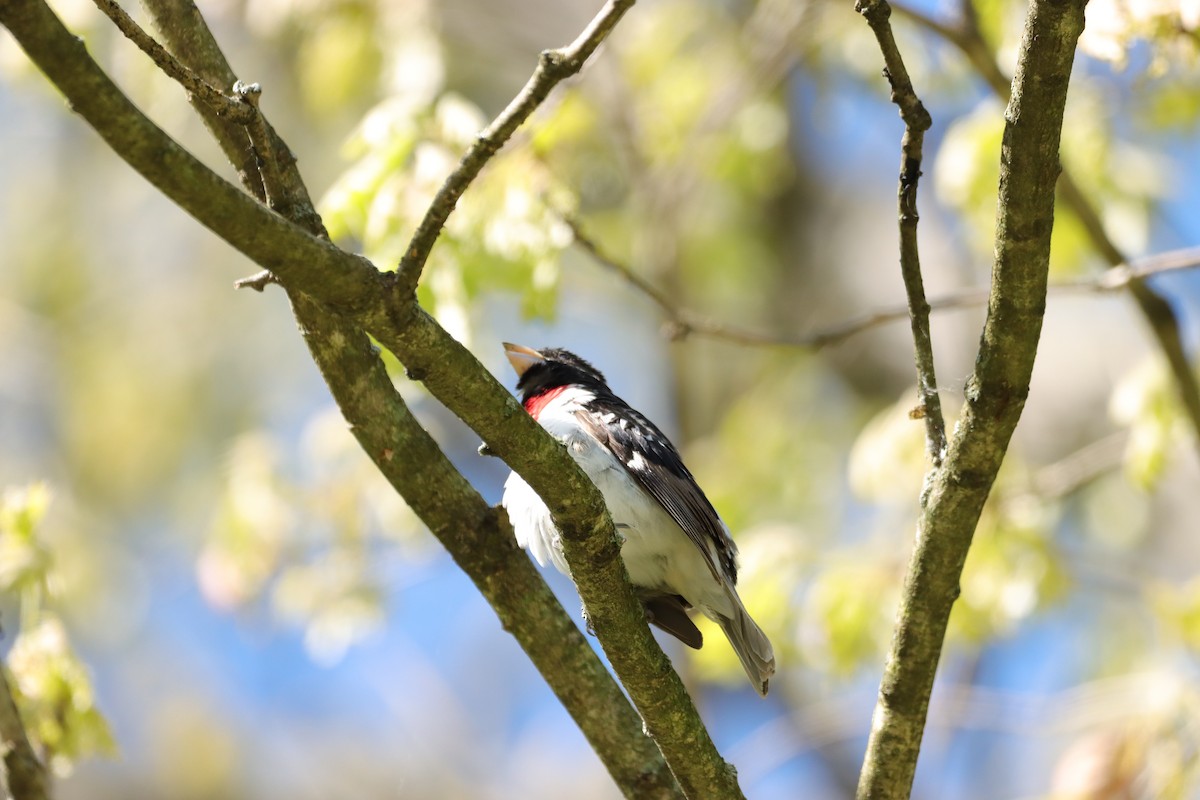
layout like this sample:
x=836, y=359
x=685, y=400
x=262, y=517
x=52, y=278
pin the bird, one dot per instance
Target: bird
x=678, y=552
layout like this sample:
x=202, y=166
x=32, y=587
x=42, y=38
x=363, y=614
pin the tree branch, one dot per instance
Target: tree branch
x=451, y=373
x=476, y=535
x=916, y=122
x=1164, y=323
x=995, y=395
x=480, y=541
x=25, y=775
x=553, y=67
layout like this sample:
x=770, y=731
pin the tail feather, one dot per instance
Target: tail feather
x=752, y=646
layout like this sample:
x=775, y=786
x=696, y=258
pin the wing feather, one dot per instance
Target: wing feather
x=648, y=455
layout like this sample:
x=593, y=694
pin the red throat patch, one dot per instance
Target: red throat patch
x=535, y=404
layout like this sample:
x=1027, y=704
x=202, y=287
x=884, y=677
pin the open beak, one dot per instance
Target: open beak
x=521, y=357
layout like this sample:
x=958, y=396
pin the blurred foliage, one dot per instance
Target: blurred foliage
x=1127, y=178
x=1145, y=401
x=1014, y=567
x=1171, y=27
x=54, y=694
x=681, y=151
x=52, y=687
x=503, y=235
x=24, y=560
x=311, y=541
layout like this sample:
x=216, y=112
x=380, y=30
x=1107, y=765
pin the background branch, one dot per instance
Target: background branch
x=682, y=322
x=916, y=122
x=995, y=396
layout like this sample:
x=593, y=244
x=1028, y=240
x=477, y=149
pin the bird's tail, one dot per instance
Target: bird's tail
x=752, y=646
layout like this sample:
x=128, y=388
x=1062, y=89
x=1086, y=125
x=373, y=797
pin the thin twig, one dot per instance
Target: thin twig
x=1122, y=275
x=259, y=281
x=553, y=67
x=1111, y=280
x=916, y=122
x=221, y=105
x=183, y=31
x=1081, y=467
x=241, y=107
x=264, y=151
x=681, y=322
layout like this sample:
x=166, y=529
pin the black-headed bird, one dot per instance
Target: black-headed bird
x=676, y=548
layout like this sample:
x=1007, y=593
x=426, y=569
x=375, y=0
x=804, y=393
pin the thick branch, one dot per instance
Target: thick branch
x=916, y=122
x=481, y=543
x=553, y=67
x=995, y=395
x=24, y=774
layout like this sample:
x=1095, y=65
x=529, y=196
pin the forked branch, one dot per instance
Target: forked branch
x=995, y=396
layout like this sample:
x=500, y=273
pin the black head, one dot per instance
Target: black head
x=549, y=368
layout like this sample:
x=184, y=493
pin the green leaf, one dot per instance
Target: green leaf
x=1013, y=568
x=54, y=693
x=853, y=623
x=888, y=460
x=1145, y=401
x=25, y=560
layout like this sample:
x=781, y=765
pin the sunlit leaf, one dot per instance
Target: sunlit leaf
x=250, y=528
x=849, y=611
x=888, y=461
x=55, y=695
x=1013, y=568
x=338, y=61
x=25, y=559
x=1115, y=26
x=1146, y=402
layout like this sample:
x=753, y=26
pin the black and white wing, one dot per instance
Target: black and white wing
x=648, y=455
